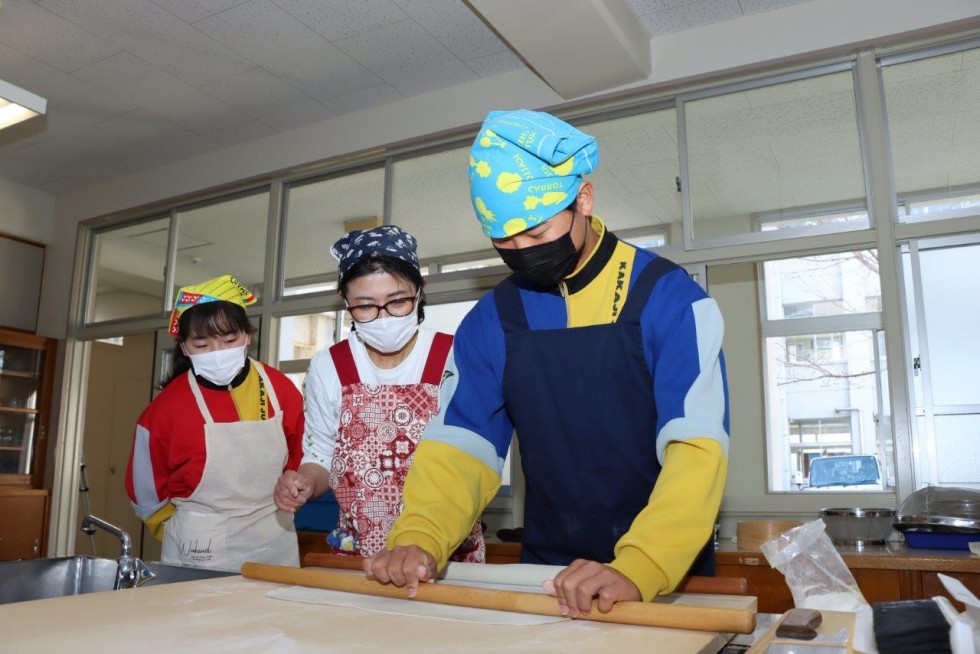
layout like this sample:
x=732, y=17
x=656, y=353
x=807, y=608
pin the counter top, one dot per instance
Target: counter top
x=890, y=556
x=234, y=614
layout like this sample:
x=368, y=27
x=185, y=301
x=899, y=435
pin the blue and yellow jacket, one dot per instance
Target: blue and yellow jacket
x=457, y=466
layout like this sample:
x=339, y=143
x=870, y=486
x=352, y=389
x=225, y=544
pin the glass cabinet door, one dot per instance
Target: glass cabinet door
x=21, y=373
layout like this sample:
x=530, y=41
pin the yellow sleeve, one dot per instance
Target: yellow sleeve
x=155, y=523
x=445, y=491
x=667, y=535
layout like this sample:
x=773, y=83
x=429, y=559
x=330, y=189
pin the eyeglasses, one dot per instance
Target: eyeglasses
x=399, y=307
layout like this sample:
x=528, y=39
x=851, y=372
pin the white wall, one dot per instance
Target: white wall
x=26, y=212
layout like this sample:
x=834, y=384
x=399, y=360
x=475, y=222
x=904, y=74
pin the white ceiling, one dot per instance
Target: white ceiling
x=134, y=84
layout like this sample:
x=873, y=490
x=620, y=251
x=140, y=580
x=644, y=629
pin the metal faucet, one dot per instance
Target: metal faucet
x=131, y=572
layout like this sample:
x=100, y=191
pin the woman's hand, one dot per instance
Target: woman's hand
x=406, y=565
x=581, y=582
x=292, y=491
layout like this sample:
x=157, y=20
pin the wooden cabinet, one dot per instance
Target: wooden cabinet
x=23, y=522
x=26, y=376
x=884, y=573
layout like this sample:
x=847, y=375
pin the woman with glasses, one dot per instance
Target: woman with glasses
x=369, y=397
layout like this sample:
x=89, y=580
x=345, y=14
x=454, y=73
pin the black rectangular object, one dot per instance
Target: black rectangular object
x=911, y=627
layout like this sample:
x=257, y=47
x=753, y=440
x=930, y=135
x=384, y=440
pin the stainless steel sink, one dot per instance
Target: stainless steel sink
x=33, y=579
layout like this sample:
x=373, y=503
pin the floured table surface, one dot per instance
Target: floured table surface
x=233, y=614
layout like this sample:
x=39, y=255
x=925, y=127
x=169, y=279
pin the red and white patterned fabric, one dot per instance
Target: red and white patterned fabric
x=380, y=426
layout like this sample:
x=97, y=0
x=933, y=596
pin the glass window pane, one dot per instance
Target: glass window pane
x=822, y=398
x=636, y=181
x=958, y=449
x=315, y=217
x=300, y=337
x=774, y=155
x=934, y=124
x=431, y=201
x=225, y=238
x=127, y=271
x=948, y=276
x=823, y=285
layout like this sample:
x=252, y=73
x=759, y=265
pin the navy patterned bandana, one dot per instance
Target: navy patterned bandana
x=387, y=240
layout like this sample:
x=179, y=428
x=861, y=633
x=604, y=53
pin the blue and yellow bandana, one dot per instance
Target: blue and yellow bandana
x=525, y=167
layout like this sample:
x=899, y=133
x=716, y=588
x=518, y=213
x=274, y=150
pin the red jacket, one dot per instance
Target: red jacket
x=169, y=443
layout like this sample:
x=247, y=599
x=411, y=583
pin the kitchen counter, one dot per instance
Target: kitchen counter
x=234, y=614
x=884, y=573
x=890, y=556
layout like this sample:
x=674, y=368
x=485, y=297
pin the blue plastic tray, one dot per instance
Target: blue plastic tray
x=937, y=541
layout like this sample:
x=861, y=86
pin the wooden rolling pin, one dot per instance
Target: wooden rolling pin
x=673, y=616
x=693, y=584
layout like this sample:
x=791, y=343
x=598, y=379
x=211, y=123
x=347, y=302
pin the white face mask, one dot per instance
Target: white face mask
x=219, y=366
x=388, y=334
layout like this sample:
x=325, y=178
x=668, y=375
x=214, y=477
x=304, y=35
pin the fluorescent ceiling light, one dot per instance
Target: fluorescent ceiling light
x=16, y=104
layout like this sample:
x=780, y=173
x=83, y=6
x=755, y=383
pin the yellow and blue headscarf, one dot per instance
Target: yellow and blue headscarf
x=225, y=288
x=525, y=167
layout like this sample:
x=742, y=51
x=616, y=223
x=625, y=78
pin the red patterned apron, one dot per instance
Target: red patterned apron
x=380, y=426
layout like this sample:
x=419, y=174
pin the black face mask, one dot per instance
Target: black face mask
x=547, y=264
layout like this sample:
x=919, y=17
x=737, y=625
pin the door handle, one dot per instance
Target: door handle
x=37, y=548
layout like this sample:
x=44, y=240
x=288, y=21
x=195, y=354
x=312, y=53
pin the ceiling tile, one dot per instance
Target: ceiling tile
x=52, y=162
x=90, y=141
x=261, y=31
x=455, y=26
x=66, y=95
x=323, y=72
x=687, y=16
x=363, y=99
x=644, y=7
x=194, y=10
x=161, y=93
x=50, y=38
x=756, y=6
x=341, y=19
x=502, y=62
x=266, y=97
x=242, y=133
x=59, y=186
x=145, y=162
x=154, y=35
x=143, y=130
x=408, y=58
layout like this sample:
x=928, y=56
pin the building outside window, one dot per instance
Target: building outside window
x=823, y=362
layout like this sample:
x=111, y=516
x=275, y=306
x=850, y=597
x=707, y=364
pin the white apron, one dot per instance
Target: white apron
x=230, y=517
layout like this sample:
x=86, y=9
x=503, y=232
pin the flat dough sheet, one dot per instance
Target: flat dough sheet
x=409, y=607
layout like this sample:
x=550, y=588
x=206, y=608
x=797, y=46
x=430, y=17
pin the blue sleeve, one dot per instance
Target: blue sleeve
x=471, y=415
x=683, y=331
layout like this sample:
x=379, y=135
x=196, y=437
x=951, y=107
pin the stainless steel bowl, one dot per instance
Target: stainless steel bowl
x=858, y=526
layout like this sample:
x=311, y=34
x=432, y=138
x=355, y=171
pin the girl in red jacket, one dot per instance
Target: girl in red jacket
x=209, y=448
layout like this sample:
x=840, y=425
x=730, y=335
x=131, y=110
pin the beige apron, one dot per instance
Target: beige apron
x=230, y=517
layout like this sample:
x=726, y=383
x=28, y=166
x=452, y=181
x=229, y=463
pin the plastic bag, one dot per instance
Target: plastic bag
x=814, y=570
x=818, y=577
